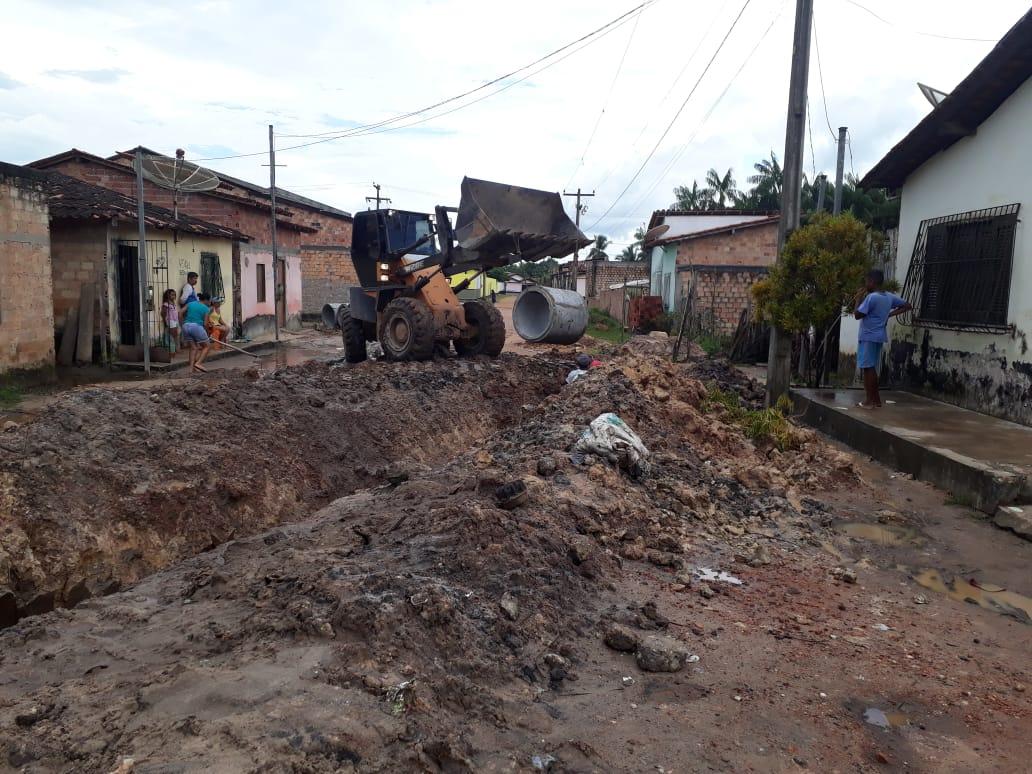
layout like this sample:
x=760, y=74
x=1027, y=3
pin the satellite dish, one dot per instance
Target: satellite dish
x=935, y=96
x=655, y=233
x=177, y=174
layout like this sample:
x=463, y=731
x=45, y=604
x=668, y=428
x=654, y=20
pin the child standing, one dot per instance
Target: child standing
x=215, y=325
x=170, y=316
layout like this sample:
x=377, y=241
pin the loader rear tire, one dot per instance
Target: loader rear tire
x=486, y=329
x=351, y=331
x=407, y=330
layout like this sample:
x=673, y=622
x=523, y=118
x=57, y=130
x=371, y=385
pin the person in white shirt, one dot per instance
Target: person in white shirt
x=189, y=291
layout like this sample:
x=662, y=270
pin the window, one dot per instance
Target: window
x=960, y=272
x=211, y=276
x=260, y=281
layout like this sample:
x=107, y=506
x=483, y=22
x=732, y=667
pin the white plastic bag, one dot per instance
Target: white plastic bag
x=609, y=437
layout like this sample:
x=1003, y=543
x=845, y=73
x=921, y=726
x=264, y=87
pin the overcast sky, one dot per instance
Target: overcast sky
x=210, y=76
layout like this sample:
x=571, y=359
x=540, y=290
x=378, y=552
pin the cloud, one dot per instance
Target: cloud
x=106, y=75
x=7, y=82
x=211, y=151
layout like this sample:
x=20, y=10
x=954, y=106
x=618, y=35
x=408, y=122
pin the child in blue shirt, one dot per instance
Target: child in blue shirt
x=874, y=313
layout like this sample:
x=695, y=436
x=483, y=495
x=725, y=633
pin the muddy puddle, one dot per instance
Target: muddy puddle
x=882, y=534
x=991, y=597
x=885, y=718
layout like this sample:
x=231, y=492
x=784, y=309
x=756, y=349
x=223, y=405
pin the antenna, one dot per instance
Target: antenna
x=178, y=174
x=933, y=95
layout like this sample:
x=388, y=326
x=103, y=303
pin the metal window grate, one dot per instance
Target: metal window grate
x=960, y=271
x=211, y=276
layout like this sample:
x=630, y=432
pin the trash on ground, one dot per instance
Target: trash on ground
x=574, y=375
x=512, y=495
x=706, y=574
x=609, y=437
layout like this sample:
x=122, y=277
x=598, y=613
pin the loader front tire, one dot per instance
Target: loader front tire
x=486, y=330
x=407, y=330
x=354, y=340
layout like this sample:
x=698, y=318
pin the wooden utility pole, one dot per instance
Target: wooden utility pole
x=779, y=359
x=377, y=198
x=576, y=253
x=839, y=169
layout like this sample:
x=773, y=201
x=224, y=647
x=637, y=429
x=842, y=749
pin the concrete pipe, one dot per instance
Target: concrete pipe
x=329, y=315
x=550, y=315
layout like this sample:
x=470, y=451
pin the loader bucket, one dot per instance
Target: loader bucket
x=499, y=224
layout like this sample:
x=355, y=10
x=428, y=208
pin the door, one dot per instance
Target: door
x=128, y=294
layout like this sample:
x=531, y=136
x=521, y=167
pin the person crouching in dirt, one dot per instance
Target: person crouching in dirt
x=873, y=312
x=194, y=334
x=215, y=325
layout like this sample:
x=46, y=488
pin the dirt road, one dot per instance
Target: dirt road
x=413, y=625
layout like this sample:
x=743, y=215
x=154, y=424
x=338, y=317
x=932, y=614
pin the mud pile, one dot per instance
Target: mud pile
x=107, y=486
x=414, y=625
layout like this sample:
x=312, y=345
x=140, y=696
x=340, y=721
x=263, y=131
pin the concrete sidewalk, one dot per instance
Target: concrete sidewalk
x=980, y=459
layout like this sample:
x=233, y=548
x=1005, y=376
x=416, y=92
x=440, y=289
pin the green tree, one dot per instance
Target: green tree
x=693, y=198
x=598, y=249
x=722, y=188
x=766, y=191
x=821, y=267
x=630, y=253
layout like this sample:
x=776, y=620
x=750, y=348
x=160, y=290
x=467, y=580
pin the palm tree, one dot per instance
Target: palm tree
x=630, y=253
x=768, y=180
x=693, y=198
x=722, y=188
x=598, y=249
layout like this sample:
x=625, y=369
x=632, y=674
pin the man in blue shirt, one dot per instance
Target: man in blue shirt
x=194, y=334
x=874, y=313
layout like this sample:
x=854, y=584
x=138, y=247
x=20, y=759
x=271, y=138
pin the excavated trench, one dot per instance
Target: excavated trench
x=108, y=486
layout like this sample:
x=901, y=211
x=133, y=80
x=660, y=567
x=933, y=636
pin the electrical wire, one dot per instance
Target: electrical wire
x=680, y=151
x=587, y=39
x=809, y=130
x=885, y=21
x=609, y=94
x=675, y=117
x=820, y=73
x=849, y=145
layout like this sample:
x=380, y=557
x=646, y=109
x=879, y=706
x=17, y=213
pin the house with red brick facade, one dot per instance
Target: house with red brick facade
x=313, y=239
x=711, y=258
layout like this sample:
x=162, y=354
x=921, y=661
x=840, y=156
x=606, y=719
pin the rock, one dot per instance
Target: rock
x=512, y=495
x=509, y=606
x=659, y=653
x=581, y=549
x=760, y=557
x=1017, y=520
x=659, y=335
x=546, y=466
x=33, y=716
x=620, y=638
x=844, y=574
x=8, y=609
x=555, y=661
x=316, y=401
x=706, y=591
x=10, y=425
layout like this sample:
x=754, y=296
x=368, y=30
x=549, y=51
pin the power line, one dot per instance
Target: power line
x=885, y=21
x=809, y=129
x=591, y=37
x=849, y=146
x=609, y=94
x=676, y=115
x=820, y=73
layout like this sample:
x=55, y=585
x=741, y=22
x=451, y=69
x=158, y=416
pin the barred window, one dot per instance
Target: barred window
x=960, y=272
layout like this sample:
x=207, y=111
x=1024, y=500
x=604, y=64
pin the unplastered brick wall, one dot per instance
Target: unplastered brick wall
x=78, y=251
x=722, y=295
x=752, y=246
x=26, y=315
x=602, y=274
x=326, y=275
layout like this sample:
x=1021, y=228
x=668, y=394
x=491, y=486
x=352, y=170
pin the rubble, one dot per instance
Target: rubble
x=660, y=653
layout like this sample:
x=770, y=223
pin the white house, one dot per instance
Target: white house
x=964, y=258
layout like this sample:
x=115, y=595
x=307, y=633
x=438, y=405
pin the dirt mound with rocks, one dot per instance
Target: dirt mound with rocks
x=107, y=486
x=415, y=625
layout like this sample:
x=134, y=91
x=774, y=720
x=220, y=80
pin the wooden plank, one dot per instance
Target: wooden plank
x=84, y=339
x=103, y=322
x=66, y=353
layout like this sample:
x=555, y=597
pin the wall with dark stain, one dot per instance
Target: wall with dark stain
x=995, y=379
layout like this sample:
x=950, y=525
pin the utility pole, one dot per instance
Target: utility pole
x=377, y=198
x=822, y=185
x=779, y=358
x=839, y=168
x=576, y=253
x=141, y=254
x=278, y=272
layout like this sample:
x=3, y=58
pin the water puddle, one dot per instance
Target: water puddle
x=990, y=597
x=885, y=718
x=882, y=534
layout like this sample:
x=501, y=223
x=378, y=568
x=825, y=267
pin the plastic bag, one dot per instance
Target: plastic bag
x=609, y=437
x=574, y=375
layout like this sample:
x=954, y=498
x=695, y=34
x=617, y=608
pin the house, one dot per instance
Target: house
x=313, y=239
x=514, y=283
x=596, y=274
x=26, y=285
x=480, y=285
x=712, y=258
x=964, y=256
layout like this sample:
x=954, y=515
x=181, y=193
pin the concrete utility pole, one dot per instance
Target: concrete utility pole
x=141, y=254
x=278, y=272
x=839, y=168
x=576, y=253
x=377, y=198
x=822, y=183
x=779, y=359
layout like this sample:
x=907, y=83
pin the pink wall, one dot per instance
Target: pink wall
x=250, y=307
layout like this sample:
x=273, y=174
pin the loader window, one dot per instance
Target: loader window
x=406, y=228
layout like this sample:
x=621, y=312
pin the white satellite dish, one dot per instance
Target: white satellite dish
x=933, y=95
x=178, y=175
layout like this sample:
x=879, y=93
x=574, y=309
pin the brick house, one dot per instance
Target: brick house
x=595, y=275
x=26, y=325
x=313, y=239
x=712, y=258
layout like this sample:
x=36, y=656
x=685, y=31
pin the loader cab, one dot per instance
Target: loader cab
x=378, y=233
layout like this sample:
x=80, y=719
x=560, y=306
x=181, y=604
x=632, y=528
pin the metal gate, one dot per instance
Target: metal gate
x=128, y=290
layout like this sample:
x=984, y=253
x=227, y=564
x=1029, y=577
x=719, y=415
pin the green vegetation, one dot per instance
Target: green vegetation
x=603, y=325
x=10, y=396
x=767, y=425
x=711, y=343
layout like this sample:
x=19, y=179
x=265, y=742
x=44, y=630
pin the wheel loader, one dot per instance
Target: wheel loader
x=404, y=262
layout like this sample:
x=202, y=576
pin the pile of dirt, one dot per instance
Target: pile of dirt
x=415, y=625
x=107, y=486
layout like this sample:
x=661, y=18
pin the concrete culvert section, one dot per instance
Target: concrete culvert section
x=329, y=316
x=550, y=315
